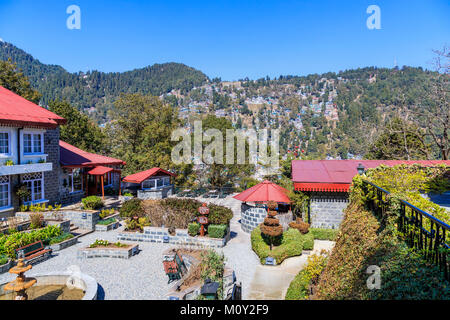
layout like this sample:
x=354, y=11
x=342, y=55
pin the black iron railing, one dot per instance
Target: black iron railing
x=420, y=230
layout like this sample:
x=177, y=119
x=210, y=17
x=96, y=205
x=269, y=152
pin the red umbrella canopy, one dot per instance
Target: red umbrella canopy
x=265, y=191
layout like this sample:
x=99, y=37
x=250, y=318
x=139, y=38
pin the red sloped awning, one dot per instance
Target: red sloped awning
x=100, y=171
x=144, y=175
x=324, y=187
x=263, y=192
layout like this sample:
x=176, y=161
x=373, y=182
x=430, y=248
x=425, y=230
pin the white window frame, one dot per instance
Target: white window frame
x=8, y=184
x=9, y=143
x=70, y=174
x=33, y=133
x=33, y=196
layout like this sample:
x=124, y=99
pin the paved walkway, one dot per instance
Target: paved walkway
x=272, y=282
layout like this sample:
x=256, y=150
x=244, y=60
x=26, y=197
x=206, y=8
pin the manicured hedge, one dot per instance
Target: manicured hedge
x=308, y=241
x=290, y=244
x=324, y=234
x=217, y=230
x=193, y=229
x=3, y=260
x=92, y=203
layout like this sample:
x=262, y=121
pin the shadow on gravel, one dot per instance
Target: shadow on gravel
x=100, y=293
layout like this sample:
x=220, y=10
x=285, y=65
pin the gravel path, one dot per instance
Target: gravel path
x=142, y=277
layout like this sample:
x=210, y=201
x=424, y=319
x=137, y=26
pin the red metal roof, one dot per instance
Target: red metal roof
x=263, y=192
x=18, y=111
x=326, y=175
x=144, y=175
x=100, y=171
x=71, y=156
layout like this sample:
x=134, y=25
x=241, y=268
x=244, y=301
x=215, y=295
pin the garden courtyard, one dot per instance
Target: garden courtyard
x=143, y=276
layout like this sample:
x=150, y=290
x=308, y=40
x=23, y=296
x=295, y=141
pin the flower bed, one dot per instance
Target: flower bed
x=105, y=249
x=106, y=225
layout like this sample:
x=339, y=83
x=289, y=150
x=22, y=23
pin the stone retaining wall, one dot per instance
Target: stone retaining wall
x=109, y=227
x=160, y=193
x=181, y=237
x=83, y=219
x=65, y=244
x=102, y=252
x=5, y=268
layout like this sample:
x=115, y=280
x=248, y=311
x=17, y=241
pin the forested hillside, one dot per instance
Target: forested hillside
x=95, y=91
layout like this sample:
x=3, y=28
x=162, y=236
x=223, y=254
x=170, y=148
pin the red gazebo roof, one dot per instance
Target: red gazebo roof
x=71, y=156
x=18, y=111
x=263, y=192
x=100, y=171
x=144, y=175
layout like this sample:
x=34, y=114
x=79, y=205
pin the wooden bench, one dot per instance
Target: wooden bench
x=34, y=251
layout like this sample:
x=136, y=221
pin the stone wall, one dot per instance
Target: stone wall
x=51, y=178
x=83, y=219
x=181, y=237
x=327, y=209
x=99, y=252
x=251, y=217
x=161, y=193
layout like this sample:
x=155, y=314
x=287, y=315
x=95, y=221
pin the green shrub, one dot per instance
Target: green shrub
x=299, y=287
x=324, y=234
x=106, y=213
x=106, y=221
x=290, y=244
x=127, y=194
x=9, y=243
x=132, y=208
x=92, y=203
x=3, y=260
x=308, y=241
x=217, y=230
x=193, y=229
x=219, y=214
x=65, y=236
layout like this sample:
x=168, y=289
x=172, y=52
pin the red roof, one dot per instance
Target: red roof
x=71, y=156
x=144, y=175
x=18, y=111
x=326, y=175
x=100, y=171
x=263, y=192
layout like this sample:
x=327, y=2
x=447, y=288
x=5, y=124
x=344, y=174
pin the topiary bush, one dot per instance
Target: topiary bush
x=217, y=230
x=194, y=229
x=132, y=208
x=92, y=203
x=219, y=214
x=290, y=244
x=301, y=226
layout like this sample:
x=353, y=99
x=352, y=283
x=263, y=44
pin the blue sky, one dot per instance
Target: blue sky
x=228, y=39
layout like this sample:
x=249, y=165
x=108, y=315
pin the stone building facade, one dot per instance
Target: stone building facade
x=326, y=209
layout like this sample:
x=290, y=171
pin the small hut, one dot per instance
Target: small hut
x=155, y=183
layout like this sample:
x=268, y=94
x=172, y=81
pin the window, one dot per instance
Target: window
x=75, y=180
x=160, y=183
x=32, y=143
x=4, y=142
x=167, y=181
x=4, y=192
x=149, y=184
x=35, y=184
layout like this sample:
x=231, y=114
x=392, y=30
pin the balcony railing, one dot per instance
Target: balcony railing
x=421, y=230
x=25, y=168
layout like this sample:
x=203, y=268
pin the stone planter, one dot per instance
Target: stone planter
x=109, y=252
x=5, y=268
x=125, y=198
x=65, y=244
x=181, y=237
x=108, y=227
